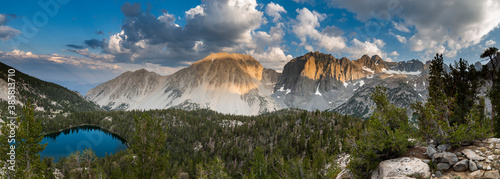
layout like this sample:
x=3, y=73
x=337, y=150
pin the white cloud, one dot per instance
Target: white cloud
x=490, y=42
x=274, y=58
x=198, y=10
x=198, y=46
x=440, y=26
x=400, y=27
x=305, y=1
x=370, y=48
x=306, y=28
x=400, y=38
x=274, y=11
x=7, y=32
x=395, y=53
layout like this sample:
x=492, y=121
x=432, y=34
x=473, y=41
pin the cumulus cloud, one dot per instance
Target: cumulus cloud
x=274, y=11
x=395, y=53
x=370, y=48
x=215, y=25
x=490, y=42
x=440, y=26
x=306, y=28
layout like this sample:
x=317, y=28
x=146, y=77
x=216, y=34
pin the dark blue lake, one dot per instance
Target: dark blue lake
x=64, y=143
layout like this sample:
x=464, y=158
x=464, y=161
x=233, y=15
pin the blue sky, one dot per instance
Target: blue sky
x=80, y=44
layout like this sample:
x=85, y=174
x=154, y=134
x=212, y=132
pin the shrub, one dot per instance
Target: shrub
x=386, y=135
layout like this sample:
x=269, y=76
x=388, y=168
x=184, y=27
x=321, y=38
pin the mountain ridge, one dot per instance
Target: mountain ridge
x=239, y=84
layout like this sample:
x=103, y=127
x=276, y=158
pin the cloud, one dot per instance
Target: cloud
x=395, y=53
x=400, y=27
x=4, y=18
x=305, y=1
x=99, y=32
x=400, y=38
x=274, y=11
x=306, y=29
x=7, y=32
x=94, y=43
x=440, y=26
x=370, y=48
x=214, y=26
x=75, y=46
x=490, y=43
x=131, y=10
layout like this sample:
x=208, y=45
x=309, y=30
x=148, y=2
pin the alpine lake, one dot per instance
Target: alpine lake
x=62, y=144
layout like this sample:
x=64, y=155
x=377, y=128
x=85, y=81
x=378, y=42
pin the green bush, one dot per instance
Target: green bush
x=386, y=135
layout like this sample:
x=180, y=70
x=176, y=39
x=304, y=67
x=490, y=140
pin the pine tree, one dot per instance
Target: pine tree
x=494, y=56
x=149, y=148
x=29, y=136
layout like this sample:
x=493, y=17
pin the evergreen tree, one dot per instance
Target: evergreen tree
x=494, y=57
x=462, y=84
x=385, y=136
x=149, y=147
x=495, y=100
x=28, y=138
x=259, y=164
x=88, y=157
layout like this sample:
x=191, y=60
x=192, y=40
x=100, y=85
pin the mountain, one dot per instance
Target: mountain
x=227, y=83
x=238, y=84
x=320, y=81
x=45, y=96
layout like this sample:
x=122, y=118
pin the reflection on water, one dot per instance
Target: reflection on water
x=64, y=143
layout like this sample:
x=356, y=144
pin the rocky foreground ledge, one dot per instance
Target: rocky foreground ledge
x=480, y=160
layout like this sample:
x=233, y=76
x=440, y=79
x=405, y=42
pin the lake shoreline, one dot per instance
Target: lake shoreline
x=89, y=125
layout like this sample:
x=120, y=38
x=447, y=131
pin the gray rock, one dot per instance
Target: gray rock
x=461, y=166
x=491, y=174
x=490, y=157
x=472, y=166
x=493, y=140
x=445, y=157
x=426, y=160
x=479, y=166
x=439, y=174
x=443, y=147
x=401, y=167
x=430, y=151
x=472, y=155
x=488, y=167
x=442, y=166
x=476, y=174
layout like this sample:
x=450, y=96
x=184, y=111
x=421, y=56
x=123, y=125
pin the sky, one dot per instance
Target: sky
x=80, y=44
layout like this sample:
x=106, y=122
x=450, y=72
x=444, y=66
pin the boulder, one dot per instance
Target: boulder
x=445, y=157
x=491, y=174
x=472, y=155
x=461, y=166
x=430, y=151
x=401, y=167
x=442, y=166
x=476, y=174
x=472, y=166
x=493, y=140
x=443, y=147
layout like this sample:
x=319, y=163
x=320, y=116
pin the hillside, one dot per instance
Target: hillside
x=46, y=96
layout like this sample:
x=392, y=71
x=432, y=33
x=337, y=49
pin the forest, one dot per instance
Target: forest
x=289, y=143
